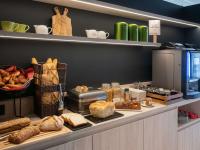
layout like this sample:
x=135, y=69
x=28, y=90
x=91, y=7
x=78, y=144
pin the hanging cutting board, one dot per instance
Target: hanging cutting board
x=61, y=23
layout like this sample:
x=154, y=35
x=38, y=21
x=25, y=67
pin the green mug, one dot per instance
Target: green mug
x=22, y=28
x=9, y=26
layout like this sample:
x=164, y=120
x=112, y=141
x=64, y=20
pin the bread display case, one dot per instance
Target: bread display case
x=79, y=102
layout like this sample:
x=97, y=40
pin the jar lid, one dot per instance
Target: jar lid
x=105, y=85
x=126, y=90
x=115, y=84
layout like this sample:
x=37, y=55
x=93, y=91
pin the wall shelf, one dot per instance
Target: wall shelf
x=111, y=9
x=73, y=39
x=189, y=123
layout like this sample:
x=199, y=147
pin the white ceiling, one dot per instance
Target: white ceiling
x=184, y=3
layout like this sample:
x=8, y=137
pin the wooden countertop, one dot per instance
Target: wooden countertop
x=46, y=140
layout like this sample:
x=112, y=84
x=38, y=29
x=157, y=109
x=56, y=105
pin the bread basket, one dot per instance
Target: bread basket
x=47, y=91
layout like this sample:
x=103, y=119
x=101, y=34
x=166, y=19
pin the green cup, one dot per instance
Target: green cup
x=8, y=26
x=22, y=28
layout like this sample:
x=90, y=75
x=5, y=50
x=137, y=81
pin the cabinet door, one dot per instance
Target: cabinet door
x=160, y=131
x=131, y=136
x=188, y=138
x=127, y=137
x=80, y=144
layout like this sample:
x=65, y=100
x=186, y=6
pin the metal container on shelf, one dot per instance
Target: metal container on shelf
x=143, y=33
x=121, y=31
x=79, y=102
x=133, y=32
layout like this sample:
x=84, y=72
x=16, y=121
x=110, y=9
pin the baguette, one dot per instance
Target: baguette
x=13, y=125
x=34, y=61
x=24, y=134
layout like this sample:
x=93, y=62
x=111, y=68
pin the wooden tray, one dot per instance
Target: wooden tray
x=43, y=135
x=165, y=98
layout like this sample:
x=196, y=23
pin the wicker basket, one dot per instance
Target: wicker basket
x=42, y=109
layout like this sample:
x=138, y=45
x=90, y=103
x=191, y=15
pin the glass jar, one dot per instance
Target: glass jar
x=126, y=95
x=136, y=103
x=106, y=87
x=116, y=91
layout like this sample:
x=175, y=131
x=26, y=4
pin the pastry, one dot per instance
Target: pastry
x=4, y=73
x=11, y=68
x=74, y=119
x=102, y=109
x=13, y=125
x=51, y=123
x=128, y=105
x=81, y=89
x=23, y=134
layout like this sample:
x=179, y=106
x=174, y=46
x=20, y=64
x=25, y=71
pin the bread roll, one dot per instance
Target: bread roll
x=51, y=123
x=102, y=109
x=24, y=134
x=13, y=125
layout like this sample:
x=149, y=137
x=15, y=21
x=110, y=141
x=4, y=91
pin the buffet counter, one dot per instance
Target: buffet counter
x=57, y=138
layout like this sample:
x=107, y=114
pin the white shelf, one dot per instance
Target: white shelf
x=111, y=9
x=73, y=39
x=188, y=124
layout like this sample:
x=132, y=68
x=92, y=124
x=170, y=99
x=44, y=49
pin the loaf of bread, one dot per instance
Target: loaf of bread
x=23, y=134
x=13, y=125
x=74, y=119
x=102, y=109
x=51, y=123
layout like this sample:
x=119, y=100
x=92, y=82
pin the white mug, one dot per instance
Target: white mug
x=103, y=35
x=91, y=33
x=42, y=29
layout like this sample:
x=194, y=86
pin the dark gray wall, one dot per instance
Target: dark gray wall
x=192, y=13
x=88, y=64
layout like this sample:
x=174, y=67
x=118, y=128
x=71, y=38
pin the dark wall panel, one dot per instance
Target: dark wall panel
x=192, y=13
x=88, y=64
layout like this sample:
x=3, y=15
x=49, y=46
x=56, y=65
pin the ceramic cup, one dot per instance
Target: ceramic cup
x=103, y=34
x=22, y=28
x=42, y=29
x=9, y=26
x=91, y=33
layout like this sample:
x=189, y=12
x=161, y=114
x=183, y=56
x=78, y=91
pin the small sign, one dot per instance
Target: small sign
x=154, y=27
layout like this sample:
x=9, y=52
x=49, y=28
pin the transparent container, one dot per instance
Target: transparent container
x=107, y=88
x=116, y=91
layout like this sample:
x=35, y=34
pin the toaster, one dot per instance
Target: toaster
x=79, y=102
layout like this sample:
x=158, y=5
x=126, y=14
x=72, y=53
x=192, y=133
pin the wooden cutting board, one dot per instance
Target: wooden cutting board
x=43, y=135
x=61, y=24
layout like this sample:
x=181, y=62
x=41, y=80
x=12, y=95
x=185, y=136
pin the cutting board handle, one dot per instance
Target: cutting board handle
x=56, y=10
x=65, y=12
